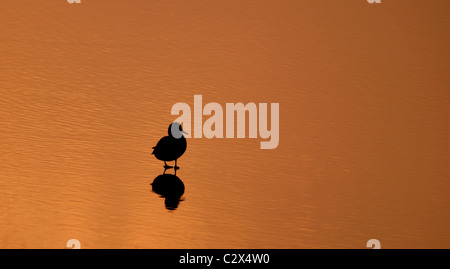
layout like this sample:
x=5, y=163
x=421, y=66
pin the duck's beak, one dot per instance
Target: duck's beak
x=183, y=132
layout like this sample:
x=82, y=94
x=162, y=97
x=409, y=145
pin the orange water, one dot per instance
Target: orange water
x=86, y=91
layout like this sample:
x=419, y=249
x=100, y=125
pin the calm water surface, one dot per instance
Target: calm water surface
x=86, y=91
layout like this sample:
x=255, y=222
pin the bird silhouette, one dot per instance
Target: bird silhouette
x=171, y=147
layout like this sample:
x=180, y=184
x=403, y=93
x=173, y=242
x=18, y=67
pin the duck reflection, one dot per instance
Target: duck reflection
x=170, y=187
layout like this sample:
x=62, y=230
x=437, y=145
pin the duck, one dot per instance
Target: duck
x=171, y=147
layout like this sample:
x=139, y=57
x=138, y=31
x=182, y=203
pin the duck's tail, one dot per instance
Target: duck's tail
x=153, y=150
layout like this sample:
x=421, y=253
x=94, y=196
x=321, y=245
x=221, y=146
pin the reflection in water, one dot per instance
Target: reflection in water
x=170, y=187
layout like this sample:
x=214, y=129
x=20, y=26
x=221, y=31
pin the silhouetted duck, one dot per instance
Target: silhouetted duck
x=171, y=147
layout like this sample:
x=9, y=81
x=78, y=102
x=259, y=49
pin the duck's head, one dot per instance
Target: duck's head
x=175, y=130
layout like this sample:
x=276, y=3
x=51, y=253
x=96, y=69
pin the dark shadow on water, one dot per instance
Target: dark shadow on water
x=170, y=187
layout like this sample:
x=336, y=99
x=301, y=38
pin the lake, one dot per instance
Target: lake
x=86, y=91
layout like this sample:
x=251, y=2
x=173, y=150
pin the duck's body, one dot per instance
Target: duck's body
x=170, y=148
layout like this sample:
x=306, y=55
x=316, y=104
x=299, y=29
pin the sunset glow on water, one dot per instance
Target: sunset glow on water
x=86, y=91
